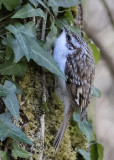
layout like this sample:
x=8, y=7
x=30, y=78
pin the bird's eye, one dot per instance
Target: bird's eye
x=68, y=37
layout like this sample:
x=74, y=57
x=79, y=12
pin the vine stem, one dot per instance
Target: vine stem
x=44, y=27
x=42, y=117
x=7, y=16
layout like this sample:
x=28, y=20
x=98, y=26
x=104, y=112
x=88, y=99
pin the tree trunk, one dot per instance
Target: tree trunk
x=41, y=118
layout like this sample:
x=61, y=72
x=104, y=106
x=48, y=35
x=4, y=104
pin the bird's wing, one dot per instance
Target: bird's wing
x=79, y=70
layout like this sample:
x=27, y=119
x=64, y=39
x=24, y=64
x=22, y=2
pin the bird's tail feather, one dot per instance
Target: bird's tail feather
x=61, y=131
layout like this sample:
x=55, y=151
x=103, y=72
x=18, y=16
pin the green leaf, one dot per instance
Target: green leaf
x=0, y=4
x=18, y=90
x=69, y=17
x=84, y=126
x=51, y=37
x=96, y=92
x=29, y=11
x=55, y=11
x=11, y=100
x=11, y=68
x=43, y=4
x=20, y=45
x=19, y=152
x=64, y=4
x=96, y=52
x=96, y=151
x=16, y=30
x=8, y=53
x=9, y=4
x=13, y=43
x=65, y=22
x=27, y=46
x=44, y=58
x=12, y=104
x=3, y=91
x=34, y=2
x=8, y=129
x=85, y=154
x=3, y=155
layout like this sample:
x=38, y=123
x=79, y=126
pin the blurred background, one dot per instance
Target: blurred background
x=99, y=25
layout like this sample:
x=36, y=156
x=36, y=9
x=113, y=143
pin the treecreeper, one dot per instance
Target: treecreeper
x=77, y=63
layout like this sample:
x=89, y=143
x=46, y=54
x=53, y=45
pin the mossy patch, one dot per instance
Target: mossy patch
x=32, y=106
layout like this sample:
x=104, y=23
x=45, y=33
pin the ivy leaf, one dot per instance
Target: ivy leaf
x=44, y=58
x=51, y=37
x=30, y=48
x=3, y=91
x=12, y=104
x=55, y=11
x=71, y=28
x=29, y=11
x=13, y=43
x=96, y=52
x=19, y=152
x=20, y=45
x=96, y=151
x=3, y=155
x=8, y=129
x=9, y=4
x=69, y=17
x=64, y=4
x=43, y=4
x=11, y=68
x=17, y=30
x=84, y=126
x=34, y=2
x=85, y=154
x=8, y=53
x=96, y=92
x=10, y=99
x=18, y=90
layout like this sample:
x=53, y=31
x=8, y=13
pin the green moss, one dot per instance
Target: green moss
x=72, y=139
x=33, y=107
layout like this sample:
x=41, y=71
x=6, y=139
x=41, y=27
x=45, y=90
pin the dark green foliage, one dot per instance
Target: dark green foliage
x=29, y=11
x=8, y=129
x=96, y=151
x=96, y=52
x=84, y=126
x=3, y=155
x=9, y=97
x=9, y=4
x=19, y=152
x=96, y=92
x=85, y=154
x=11, y=68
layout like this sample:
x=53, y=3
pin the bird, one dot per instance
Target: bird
x=76, y=62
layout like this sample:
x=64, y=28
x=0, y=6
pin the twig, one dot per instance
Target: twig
x=103, y=51
x=42, y=122
x=38, y=22
x=7, y=16
x=34, y=20
x=42, y=117
x=44, y=25
x=108, y=12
